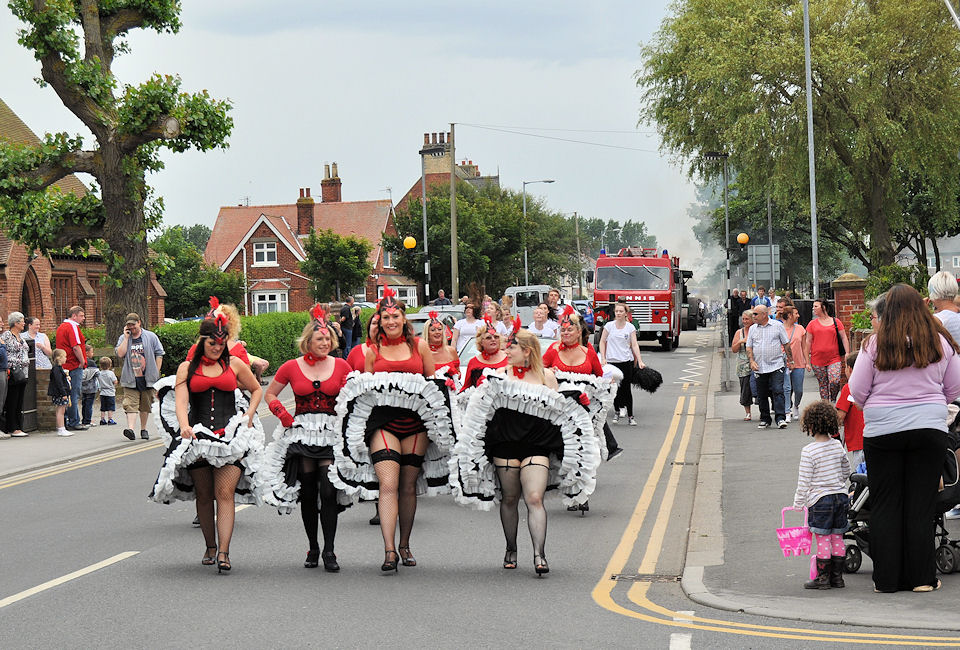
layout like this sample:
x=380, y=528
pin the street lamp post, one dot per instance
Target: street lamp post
x=429, y=150
x=526, y=270
x=811, y=163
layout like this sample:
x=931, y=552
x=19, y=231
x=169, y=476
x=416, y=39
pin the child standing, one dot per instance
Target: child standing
x=851, y=416
x=59, y=390
x=821, y=487
x=88, y=387
x=107, y=381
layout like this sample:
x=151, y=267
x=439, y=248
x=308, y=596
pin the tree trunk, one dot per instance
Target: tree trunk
x=123, y=196
x=936, y=252
x=881, y=244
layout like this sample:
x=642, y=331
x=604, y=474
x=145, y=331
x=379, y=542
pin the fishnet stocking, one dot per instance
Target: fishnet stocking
x=388, y=475
x=225, y=481
x=203, y=486
x=407, y=501
x=509, y=501
x=533, y=480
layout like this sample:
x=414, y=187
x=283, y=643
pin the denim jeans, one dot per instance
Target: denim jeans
x=73, y=411
x=347, y=341
x=796, y=387
x=88, y=399
x=770, y=386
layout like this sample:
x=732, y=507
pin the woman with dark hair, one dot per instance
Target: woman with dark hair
x=214, y=437
x=824, y=345
x=298, y=459
x=357, y=359
x=619, y=347
x=393, y=417
x=905, y=376
x=466, y=328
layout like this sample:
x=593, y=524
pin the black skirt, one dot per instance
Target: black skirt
x=514, y=435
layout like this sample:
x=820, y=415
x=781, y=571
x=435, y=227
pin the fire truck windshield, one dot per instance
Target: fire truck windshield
x=633, y=278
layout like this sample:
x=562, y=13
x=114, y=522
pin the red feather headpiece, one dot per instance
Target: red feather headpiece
x=568, y=311
x=319, y=318
x=513, y=333
x=488, y=322
x=389, y=300
x=222, y=332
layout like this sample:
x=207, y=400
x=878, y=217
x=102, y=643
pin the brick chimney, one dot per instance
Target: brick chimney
x=330, y=185
x=304, y=212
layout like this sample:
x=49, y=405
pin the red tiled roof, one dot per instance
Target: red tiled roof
x=367, y=219
x=433, y=180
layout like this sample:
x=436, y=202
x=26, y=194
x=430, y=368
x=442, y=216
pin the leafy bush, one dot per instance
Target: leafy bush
x=95, y=336
x=273, y=336
x=176, y=339
x=884, y=277
x=861, y=320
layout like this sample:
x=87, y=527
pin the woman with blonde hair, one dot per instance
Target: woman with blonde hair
x=490, y=344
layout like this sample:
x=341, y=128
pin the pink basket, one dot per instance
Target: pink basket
x=794, y=541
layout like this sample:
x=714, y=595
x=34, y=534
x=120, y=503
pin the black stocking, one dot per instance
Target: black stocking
x=533, y=479
x=388, y=475
x=407, y=501
x=203, y=486
x=225, y=481
x=328, y=508
x=509, y=501
x=308, y=499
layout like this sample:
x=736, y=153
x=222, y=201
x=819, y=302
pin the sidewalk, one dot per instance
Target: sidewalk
x=733, y=559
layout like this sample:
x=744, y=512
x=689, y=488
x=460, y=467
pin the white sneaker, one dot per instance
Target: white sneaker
x=616, y=416
x=623, y=412
x=796, y=412
x=788, y=418
x=782, y=424
x=64, y=433
x=953, y=514
x=4, y=436
x=633, y=422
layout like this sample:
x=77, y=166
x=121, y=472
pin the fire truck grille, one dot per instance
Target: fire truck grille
x=643, y=309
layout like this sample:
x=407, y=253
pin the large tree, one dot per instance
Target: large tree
x=336, y=265
x=729, y=76
x=76, y=43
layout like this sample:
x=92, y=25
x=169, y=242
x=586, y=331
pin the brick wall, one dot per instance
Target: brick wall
x=848, y=298
x=298, y=298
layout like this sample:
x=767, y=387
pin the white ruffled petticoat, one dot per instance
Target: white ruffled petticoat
x=312, y=429
x=238, y=443
x=472, y=475
x=601, y=392
x=430, y=399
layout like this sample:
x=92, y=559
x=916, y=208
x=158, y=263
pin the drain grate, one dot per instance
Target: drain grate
x=686, y=463
x=644, y=577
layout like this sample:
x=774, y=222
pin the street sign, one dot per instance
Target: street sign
x=758, y=262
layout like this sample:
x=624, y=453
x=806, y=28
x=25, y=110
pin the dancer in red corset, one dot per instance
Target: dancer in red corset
x=444, y=354
x=358, y=355
x=302, y=449
x=489, y=342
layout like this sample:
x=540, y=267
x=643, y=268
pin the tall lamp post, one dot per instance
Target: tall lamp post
x=526, y=270
x=811, y=163
x=722, y=155
x=435, y=150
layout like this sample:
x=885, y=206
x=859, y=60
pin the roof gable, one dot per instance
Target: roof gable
x=279, y=227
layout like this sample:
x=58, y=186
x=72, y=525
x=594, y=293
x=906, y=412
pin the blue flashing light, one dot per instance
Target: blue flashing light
x=665, y=253
x=603, y=251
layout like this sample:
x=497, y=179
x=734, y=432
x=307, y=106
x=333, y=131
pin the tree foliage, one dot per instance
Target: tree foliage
x=187, y=278
x=336, y=265
x=491, y=237
x=729, y=76
x=76, y=43
x=597, y=233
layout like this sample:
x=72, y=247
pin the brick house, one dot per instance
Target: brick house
x=47, y=287
x=265, y=244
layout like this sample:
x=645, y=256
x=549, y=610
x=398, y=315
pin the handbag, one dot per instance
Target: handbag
x=839, y=341
x=19, y=375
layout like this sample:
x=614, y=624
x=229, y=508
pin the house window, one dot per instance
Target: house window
x=407, y=294
x=265, y=253
x=63, y=298
x=267, y=302
x=956, y=261
x=387, y=259
x=931, y=262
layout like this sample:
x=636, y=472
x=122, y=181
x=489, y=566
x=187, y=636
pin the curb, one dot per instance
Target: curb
x=62, y=460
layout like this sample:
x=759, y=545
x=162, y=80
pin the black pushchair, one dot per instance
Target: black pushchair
x=857, y=537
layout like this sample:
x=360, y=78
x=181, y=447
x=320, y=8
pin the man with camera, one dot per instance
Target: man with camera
x=141, y=353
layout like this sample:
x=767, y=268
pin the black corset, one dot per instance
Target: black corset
x=212, y=408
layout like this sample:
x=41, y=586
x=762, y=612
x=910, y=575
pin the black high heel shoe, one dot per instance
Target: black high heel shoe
x=330, y=561
x=209, y=560
x=406, y=556
x=224, y=564
x=584, y=508
x=313, y=556
x=390, y=565
x=510, y=559
x=540, y=567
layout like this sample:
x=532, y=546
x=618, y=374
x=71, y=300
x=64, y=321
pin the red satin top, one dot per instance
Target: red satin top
x=309, y=396
x=413, y=365
x=225, y=381
x=477, y=363
x=357, y=358
x=590, y=366
x=237, y=351
x=452, y=366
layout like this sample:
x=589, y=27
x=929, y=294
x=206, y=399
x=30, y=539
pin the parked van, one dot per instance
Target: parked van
x=525, y=300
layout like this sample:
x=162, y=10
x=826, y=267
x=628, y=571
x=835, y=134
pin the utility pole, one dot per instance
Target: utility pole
x=770, y=240
x=811, y=162
x=576, y=223
x=454, y=265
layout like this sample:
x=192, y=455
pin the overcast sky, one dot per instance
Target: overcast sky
x=358, y=83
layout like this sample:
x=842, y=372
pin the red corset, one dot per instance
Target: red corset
x=315, y=402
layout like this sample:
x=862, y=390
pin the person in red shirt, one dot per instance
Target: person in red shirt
x=852, y=418
x=71, y=340
x=490, y=344
x=358, y=355
x=823, y=349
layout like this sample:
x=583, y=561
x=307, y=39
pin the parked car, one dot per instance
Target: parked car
x=448, y=314
x=586, y=310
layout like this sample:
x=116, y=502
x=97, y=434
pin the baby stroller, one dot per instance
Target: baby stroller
x=858, y=536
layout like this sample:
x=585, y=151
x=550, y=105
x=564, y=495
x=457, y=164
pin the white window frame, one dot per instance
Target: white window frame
x=387, y=259
x=931, y=262
x=265, y=248
x=408, y=295
x=267, y=298
x=956, y=261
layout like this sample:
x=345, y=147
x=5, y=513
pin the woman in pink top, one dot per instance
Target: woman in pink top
x=904, y=378
x=823, y=350
x=797, y=368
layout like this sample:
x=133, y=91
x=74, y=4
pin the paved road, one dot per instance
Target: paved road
x=152, y=591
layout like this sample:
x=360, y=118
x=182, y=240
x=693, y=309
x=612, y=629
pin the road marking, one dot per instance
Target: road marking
x=242, y=506
x=9, y=600
x=680, y=641
x=79, y=464
x=683, y=614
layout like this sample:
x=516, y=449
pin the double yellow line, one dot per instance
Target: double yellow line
x=69, y=466
x=650, y=612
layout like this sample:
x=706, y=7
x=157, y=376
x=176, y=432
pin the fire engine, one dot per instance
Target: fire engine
x=653, y=286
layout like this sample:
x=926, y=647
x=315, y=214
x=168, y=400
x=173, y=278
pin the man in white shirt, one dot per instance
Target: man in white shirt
x=766, y=348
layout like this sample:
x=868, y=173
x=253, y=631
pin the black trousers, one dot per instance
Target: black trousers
x=13, y=407
x=903, y=473
x=624, y=396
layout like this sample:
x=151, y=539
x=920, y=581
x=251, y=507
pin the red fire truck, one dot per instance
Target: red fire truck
x=652, y=285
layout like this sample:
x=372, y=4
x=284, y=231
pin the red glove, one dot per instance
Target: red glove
x=281, y=412
x=451, y=384
x=584, y=399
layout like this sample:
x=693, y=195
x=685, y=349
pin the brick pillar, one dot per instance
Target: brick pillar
x=848, y=297
x=46, y=411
